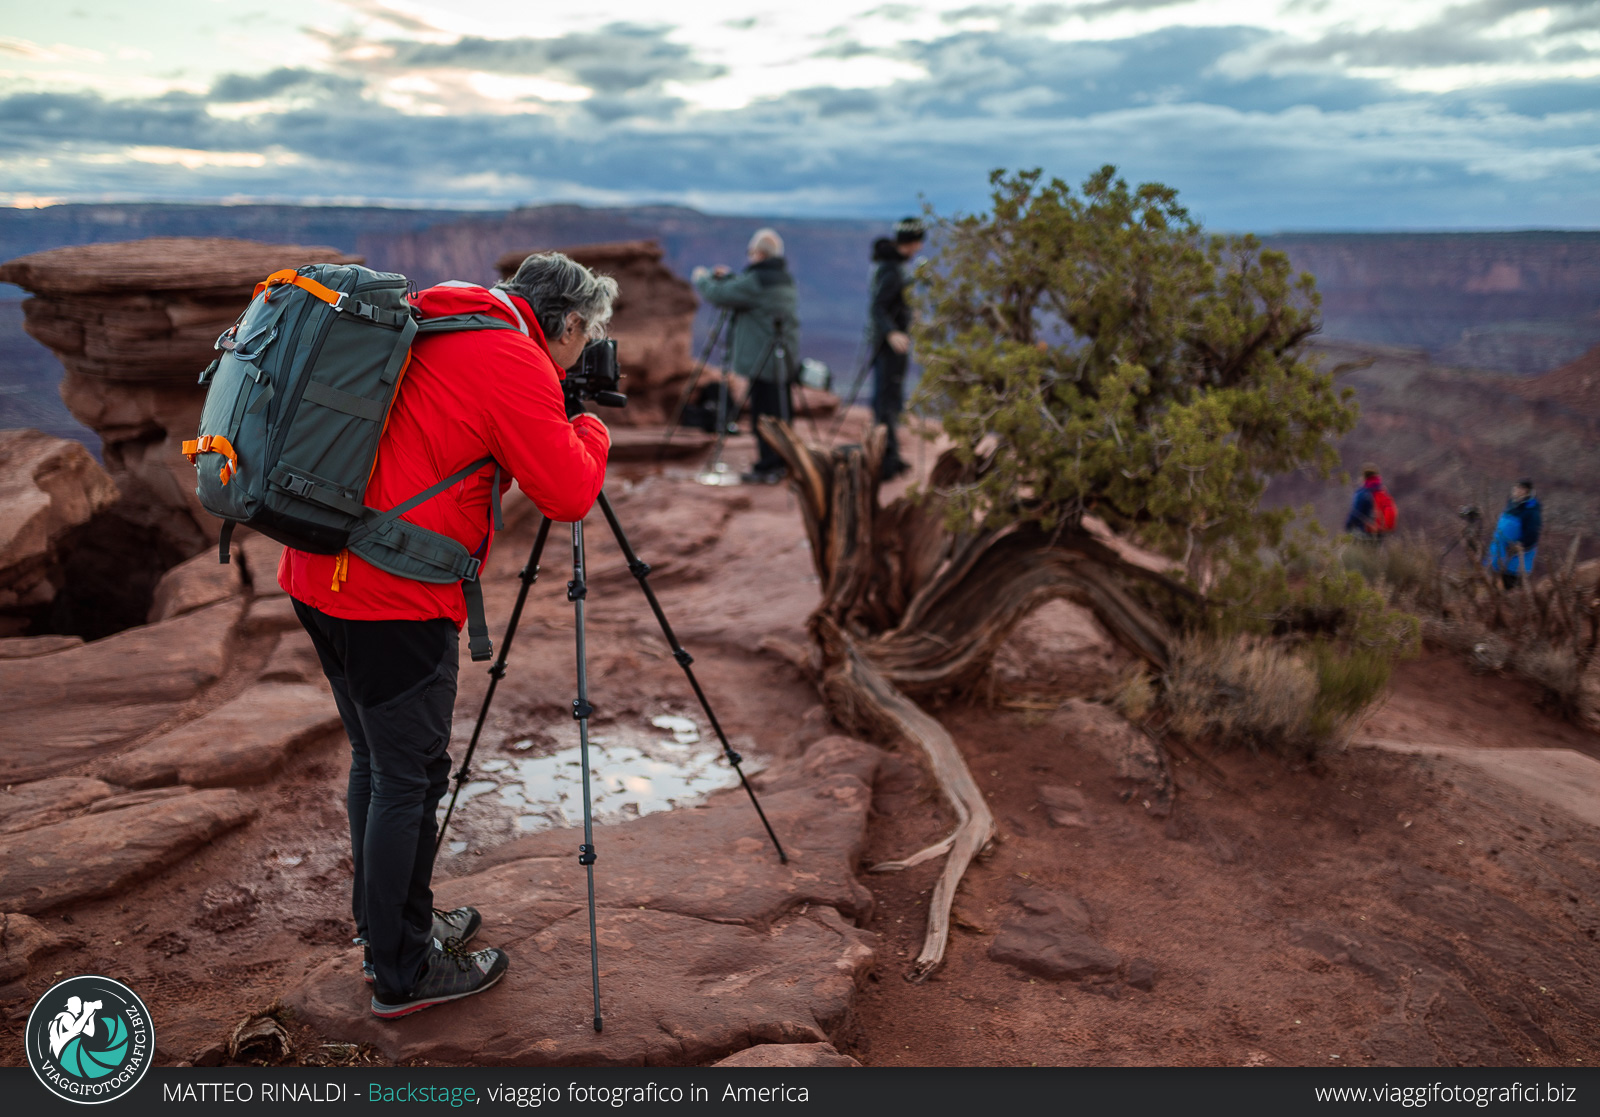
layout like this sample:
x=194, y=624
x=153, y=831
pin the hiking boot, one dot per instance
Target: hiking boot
x=763, y=476
x=449, y=973
x=459, y=923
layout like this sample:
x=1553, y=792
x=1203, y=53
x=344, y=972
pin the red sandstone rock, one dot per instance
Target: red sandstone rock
x=62, y=709
x=1103, y=731
x=22, y=939
x=190, y=585
x=48, y=486
x=241, y=742
x=788, y=1055
x=96, y=855
x=707, y=943
x=1051, y=939
x=293, y=660
x=27, y=647
x=272, y=614
x=259, y=557
x=28, y=805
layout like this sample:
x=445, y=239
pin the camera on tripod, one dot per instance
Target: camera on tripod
x=596, y=376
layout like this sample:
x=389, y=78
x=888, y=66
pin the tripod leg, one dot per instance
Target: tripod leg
x=577, y=590
x=694, y=378
x=641, y=571
x=530, y=575
x=722, y=427
x=855, y=393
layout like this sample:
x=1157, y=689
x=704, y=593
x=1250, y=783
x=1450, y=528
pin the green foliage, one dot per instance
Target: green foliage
x=1349, y=679
x=1097, y=351
x=1311, y=595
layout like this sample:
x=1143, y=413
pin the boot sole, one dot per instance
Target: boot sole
x=396, y=1011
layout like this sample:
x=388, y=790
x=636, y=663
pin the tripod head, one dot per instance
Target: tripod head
x=596, y=376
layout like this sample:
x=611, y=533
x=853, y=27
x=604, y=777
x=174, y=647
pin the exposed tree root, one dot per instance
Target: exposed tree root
x=909, y=610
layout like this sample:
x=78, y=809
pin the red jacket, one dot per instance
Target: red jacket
x=486, y=393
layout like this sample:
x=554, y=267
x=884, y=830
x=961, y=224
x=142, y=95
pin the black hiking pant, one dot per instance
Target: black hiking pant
x=395, y=686
x=888, y=400
x=766, y=398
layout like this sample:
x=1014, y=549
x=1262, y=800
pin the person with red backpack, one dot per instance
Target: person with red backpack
x=1372, y=511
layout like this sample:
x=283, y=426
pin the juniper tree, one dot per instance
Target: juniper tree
x=1090, y=352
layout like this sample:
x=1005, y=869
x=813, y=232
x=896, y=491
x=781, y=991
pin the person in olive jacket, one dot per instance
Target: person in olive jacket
x=766, y=335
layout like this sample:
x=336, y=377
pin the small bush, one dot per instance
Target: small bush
x=1348, y=681
x=1261, y=694
x=1557, y=670
x=1135, y=695
x=1241, y=690
x=1406, y=568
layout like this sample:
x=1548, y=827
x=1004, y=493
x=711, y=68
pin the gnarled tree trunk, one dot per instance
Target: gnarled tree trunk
x=909, y=610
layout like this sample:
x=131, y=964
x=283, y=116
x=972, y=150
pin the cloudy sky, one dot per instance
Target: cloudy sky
x=1265, y=114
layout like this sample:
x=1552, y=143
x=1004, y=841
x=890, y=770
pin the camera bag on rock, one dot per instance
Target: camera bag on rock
x=295, y=407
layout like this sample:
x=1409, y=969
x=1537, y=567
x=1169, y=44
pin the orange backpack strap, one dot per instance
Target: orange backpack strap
x=213, y=444
x=289, y=276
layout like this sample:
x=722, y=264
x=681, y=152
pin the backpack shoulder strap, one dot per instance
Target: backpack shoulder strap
x=462, y=323
x=375, y=520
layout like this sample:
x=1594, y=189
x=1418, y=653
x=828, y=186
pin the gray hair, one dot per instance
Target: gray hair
x=555, y=285
x=767, y=242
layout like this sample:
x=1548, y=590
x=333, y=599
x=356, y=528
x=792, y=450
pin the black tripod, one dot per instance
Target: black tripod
x=694, y=380
x=855, y=390
x=725, y=422
x=577, y=592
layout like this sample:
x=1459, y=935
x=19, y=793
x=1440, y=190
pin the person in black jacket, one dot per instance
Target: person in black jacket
x=888, y=336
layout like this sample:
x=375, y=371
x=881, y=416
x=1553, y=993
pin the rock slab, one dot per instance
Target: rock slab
x=1051, y=939
x=62, y=709
x=22, y=939
x=71, y=706
x=97, y=854
x=241, y=742
x=48, y=486
x=29, y=805
x=707, y=944
x=191, y=585
x=788, y=1055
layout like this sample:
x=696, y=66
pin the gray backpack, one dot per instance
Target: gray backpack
x=295, y=406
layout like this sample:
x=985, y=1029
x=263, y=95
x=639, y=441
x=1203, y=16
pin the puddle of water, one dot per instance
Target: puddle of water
x=635, y=770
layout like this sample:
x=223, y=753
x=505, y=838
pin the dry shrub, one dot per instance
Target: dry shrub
x=1241, y=690
x=1135, y=695
x=1406, y=568
x=1557, y=670
x=1264, y=695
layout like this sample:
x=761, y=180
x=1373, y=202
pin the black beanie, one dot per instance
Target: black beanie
x=909, y=230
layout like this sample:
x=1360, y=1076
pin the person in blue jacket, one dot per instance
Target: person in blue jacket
x=1516, y=536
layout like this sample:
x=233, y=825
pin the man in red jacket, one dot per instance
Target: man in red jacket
x=389, y=644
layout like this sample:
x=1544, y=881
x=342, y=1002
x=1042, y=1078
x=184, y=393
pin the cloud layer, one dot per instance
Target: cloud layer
x=1477, y=114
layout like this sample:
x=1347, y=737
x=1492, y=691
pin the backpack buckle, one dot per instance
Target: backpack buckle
x=471, y=574
x=338, y=306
